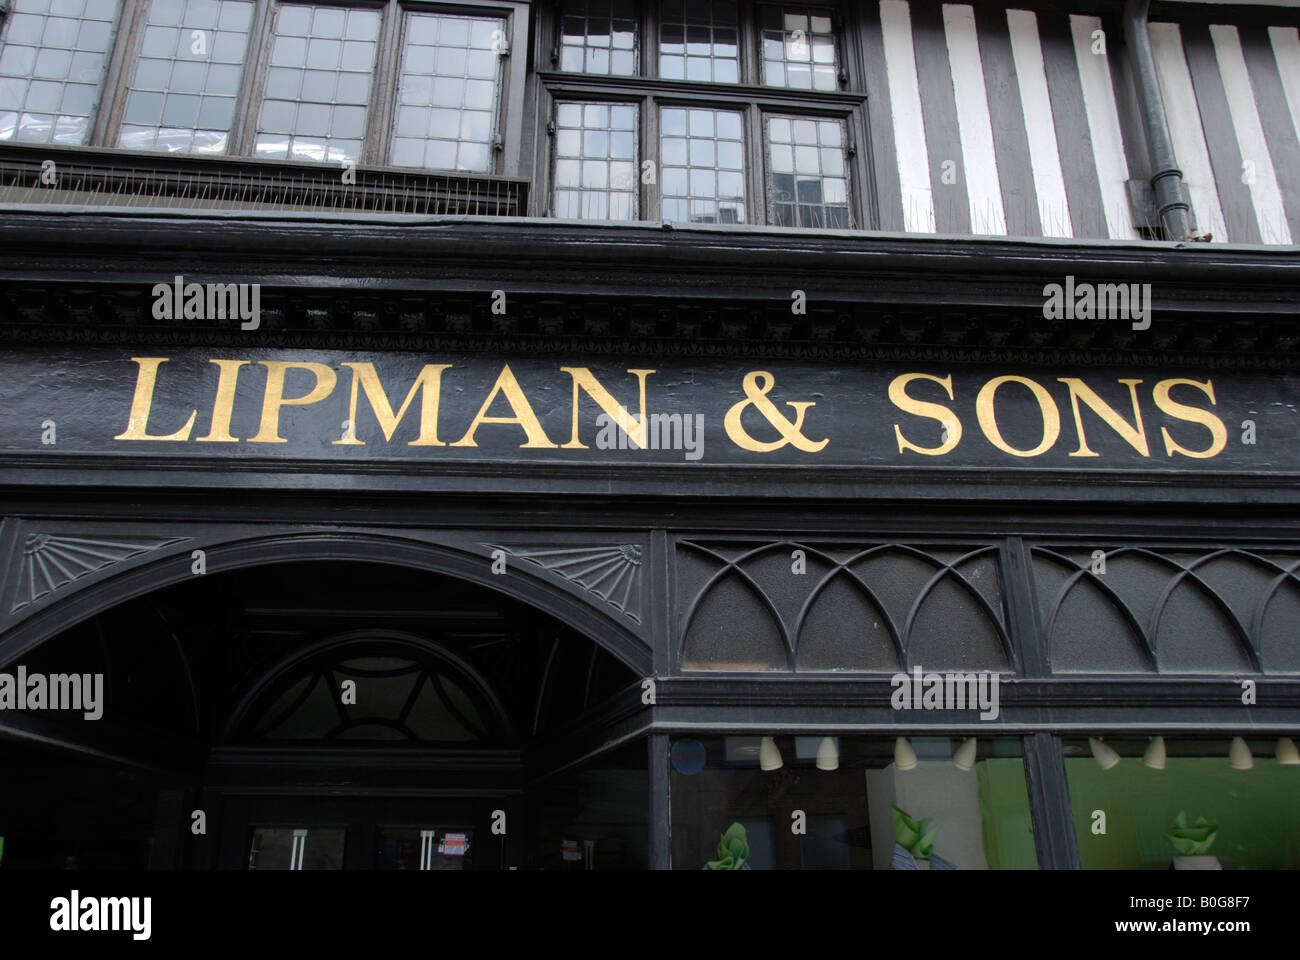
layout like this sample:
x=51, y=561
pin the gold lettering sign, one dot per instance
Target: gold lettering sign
x=793, y=422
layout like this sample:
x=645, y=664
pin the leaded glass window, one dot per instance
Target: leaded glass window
x=599, y=36
x=808, y=180
x=318, y=83
x=52, y=62
x=798, y=47
x=703, y=178
x=595, y=161
x=699, y=41
x=447, y=92
x=186, y=77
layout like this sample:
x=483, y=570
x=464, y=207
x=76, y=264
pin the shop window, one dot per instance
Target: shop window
x=808, y=182
x=594, y=817
x=599, y=37
x=826, y=844
x=447, y=93
x=182, y=92
x=798, y=46
x=1185, y=803
x=699, y=41
x=846, y=789
x=760, y=834
x=53, y=54
x=595, y=164
x=703, y=178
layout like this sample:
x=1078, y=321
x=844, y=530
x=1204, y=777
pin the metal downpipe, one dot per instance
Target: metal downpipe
x=1172, y=210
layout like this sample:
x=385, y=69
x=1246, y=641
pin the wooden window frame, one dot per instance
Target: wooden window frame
x=649, y=93
x=376, y=140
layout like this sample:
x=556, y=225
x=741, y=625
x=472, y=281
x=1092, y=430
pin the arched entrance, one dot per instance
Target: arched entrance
x=326, y=713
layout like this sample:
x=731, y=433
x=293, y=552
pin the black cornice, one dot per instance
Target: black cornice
x=409, y=283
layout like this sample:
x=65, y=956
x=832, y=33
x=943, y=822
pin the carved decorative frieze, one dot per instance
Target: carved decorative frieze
x=613, y=573
x=52, y=561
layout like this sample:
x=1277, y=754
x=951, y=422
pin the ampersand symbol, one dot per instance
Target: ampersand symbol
x=757, y=384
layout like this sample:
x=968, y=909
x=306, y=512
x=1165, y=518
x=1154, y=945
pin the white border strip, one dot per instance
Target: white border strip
x=1103, y=125
x=1265, y=196
x=909, y=125
x=983, y=188
x=1185, y=127
x=1040, y=126
x=1286, y=51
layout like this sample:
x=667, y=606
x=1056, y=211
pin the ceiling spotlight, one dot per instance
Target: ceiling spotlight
x=1239, y=755
x=828, y=754
x=1155, y=754
x=1104, y=755
x=904, y=755
x=769, y=755
x=1286, y=752
x=963, y=758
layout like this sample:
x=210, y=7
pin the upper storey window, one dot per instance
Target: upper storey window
x=185, y=83
x=448, y=93
x=52, y=65
x=345, y=82
x=599, y=36
x=699, y=41
x=799, y=49
x=732, y=111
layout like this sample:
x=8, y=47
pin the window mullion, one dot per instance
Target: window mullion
x=379, y=120
x=747, y=43
x=862, y=191
x=847, y=49
x=548, y=35
x=649, y=52
x=112, y=97
x=652, y=193
x=260, y=41
x=755, y=168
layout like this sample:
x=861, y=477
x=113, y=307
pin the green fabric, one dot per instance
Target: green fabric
x=912, y=835
x=733, y=849
x=1004, y=814
x=1192, y=839
x=1256, y=811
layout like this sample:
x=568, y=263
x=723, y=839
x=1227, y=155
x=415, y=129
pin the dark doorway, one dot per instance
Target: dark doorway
x=316, y=715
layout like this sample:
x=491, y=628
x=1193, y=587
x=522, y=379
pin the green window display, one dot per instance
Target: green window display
x=1184, y=804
